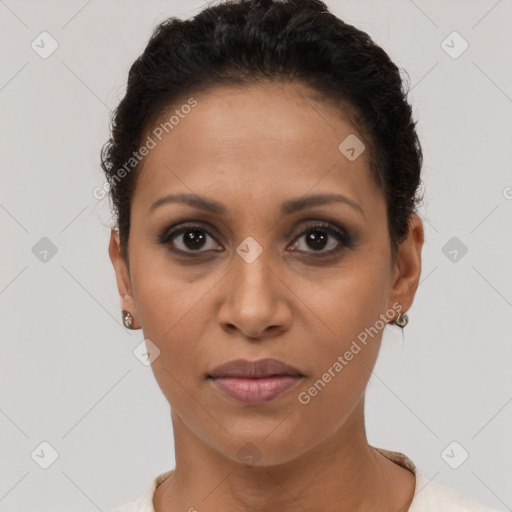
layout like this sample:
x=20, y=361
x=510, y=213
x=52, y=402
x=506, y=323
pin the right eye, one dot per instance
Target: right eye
x=189, y=239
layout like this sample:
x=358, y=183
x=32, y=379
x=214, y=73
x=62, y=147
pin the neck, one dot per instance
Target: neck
x=342, y=474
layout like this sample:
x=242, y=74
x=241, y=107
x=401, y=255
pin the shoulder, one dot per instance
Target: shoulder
x=144, y=503
x=431, y=496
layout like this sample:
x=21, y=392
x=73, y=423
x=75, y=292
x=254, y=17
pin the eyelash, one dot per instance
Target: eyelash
x=340, y=234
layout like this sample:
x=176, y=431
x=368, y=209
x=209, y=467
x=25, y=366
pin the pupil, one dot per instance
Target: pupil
x=318, y=238
x=193, y=239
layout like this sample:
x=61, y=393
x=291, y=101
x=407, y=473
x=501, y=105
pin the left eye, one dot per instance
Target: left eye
x=321, y=238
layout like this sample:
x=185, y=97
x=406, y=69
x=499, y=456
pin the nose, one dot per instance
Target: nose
x=256, y=303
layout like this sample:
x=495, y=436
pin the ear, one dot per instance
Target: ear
x=407, y=268
x=122, y=275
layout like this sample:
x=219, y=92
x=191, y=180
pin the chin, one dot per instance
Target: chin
x=256, y=447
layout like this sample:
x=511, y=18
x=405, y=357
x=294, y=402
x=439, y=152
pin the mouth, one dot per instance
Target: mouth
x=255, y=382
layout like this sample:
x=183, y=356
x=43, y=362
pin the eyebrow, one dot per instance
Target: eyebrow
x=287, y=208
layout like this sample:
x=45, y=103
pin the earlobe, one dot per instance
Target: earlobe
x=408, y=265
x=122, y=278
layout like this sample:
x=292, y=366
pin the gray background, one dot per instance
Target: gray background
x=67, y=372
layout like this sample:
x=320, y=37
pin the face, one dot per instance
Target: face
x=265, y=266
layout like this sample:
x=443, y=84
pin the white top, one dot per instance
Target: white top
x=428, y=496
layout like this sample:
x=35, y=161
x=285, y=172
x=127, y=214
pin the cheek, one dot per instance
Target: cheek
x=347, y=300
x=179, y=368
x=349, y=306
x=167, y=298
x=343, y=361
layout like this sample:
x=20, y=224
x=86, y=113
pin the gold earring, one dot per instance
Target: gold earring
x=127, y=319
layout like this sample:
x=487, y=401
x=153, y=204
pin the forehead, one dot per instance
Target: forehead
x=253, y=140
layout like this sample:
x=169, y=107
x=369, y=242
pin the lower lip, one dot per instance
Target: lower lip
x=255, y=391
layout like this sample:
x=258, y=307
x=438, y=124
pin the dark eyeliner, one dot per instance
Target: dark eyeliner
x=170, y=233
x=340, y=234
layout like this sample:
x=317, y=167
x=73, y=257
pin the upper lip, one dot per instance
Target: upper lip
x=254, y=369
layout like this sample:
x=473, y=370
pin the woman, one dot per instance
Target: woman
x=264, y=170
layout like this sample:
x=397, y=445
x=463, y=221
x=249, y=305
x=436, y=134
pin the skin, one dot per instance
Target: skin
x=252, y=148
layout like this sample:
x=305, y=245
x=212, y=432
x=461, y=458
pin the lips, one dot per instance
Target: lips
x=254, y=382
x=242, y=368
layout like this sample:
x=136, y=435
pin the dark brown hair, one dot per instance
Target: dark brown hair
x=248, y=41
